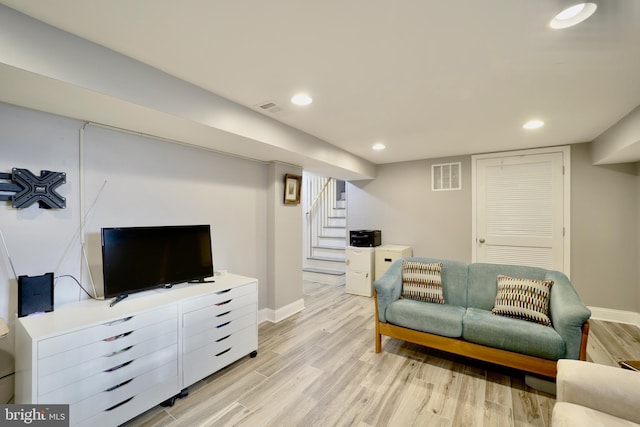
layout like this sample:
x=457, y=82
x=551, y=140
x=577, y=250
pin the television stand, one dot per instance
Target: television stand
x=110, y=364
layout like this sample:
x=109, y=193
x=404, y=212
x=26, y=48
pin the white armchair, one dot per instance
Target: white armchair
x=589, y=394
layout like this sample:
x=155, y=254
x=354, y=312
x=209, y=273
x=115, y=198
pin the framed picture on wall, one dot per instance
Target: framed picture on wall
x=292, y=184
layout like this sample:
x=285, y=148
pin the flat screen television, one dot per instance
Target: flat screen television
x=135, y=259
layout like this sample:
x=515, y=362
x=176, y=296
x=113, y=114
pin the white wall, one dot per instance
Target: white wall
x=285, y=254
x=605, y=203
x=148, y=182
x=400, y=203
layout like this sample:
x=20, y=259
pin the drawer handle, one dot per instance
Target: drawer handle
x=222, y=325
x=119, y=351
x=388, y=260
x=223, y=352
x=116, y=322
x=119, y=404
x=119, y=385
x=223, y=292
x=224, y=302
x=223, y=314
x=223, y=338
x=117, y=337
x=122, y=365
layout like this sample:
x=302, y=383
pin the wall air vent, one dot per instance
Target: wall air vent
x=446, y=177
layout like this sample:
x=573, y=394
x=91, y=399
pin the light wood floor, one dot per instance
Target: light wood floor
x=319, y=368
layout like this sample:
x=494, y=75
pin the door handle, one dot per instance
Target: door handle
x=481, y=240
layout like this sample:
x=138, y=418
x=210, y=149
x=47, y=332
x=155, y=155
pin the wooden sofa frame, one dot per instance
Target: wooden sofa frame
x=523, y=362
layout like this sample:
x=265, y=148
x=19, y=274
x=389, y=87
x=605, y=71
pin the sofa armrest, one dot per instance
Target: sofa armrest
x=607, y=389
x=568, y=313
x=388, y=287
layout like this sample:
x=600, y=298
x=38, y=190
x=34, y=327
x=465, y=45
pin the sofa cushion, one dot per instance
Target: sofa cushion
x=483, y=281
x=440, y=319
x=525, y=299
x=570, y=415
x=422, y=281
x=481, y=327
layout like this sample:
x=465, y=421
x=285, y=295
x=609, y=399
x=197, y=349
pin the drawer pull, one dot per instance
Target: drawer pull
x=223, y=314
x=116, y=322
x=122, y=365
x=119, y=404
x=117, y=337
x=224, y=302
x=388, y=260
x=223, y=338
x=223, y=352
x=223, y=292
x=222, y=325
x=119, y=385
x=119, y=351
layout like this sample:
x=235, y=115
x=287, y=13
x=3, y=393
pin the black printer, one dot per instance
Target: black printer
x=365, y=238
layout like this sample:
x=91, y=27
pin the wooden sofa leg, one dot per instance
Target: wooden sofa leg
x=377, y=319
x=583, y=341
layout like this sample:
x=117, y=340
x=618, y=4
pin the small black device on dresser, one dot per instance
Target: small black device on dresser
x=365, y=238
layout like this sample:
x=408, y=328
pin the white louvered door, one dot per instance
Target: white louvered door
x=520, y=210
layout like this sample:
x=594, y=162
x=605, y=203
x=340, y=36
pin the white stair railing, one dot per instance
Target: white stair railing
x=321, y=194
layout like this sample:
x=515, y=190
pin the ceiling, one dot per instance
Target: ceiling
x=426, y=78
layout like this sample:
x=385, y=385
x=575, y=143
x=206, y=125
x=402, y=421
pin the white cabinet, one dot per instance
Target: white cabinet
x=387, y=254
x=113, y=363
x=218, y=329
x=359, y=263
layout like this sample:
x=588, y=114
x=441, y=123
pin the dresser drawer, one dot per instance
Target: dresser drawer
x=386, y=255
x=80, y=371
x=216, y=315
x=359, y=283
x=105, y=331
x=113, y=407
x=215, y=356
x=108, y=378
x=218, y=297
x=148, y=337
x=359, y=259
x=221, y=332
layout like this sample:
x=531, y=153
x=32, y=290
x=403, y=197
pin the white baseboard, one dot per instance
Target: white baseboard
x=275, y=316
x=611, y=315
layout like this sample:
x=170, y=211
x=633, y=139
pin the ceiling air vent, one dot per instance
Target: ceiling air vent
x=269, y=106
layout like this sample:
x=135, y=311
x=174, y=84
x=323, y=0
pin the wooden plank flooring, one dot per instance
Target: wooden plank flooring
x=319, y=368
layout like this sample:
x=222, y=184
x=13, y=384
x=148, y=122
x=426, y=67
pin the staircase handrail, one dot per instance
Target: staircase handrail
x=322, y=190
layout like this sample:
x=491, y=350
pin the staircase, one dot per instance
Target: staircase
x=326, y=225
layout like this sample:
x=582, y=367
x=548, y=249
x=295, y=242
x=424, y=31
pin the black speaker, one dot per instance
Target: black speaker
x=35, y=294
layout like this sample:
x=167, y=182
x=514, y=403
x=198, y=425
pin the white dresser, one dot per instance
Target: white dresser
x=359, y=263
x=113, y=363
x=387, y=254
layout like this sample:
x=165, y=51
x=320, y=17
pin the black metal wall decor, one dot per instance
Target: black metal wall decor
x=29, y=188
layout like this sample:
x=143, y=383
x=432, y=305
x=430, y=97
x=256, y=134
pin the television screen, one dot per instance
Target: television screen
x=140, y=258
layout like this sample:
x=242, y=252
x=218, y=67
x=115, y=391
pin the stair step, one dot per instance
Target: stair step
x=324, y=271
x=325, y=258
x=331, y=248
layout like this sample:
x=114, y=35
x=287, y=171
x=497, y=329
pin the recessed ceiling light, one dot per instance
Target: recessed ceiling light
x=302, y=99
x=379, y=147
x=573, y=15
x=533, y=124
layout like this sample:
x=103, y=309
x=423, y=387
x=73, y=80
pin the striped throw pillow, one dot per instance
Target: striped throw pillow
x=422, y=281
x=525, y=299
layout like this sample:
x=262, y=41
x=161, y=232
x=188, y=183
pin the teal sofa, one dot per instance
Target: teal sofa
x=464, y=324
